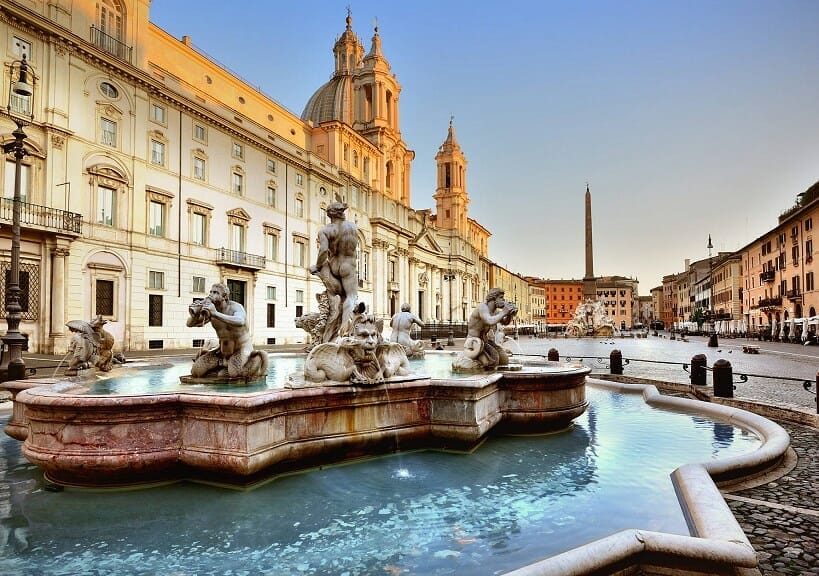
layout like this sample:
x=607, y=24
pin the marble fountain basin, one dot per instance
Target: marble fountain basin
x=239, y=437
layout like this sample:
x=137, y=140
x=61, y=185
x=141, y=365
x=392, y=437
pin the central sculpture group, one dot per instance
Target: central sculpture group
x=348, y=346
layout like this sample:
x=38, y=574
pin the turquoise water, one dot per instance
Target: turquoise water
x=512, y=501
x=135, y=379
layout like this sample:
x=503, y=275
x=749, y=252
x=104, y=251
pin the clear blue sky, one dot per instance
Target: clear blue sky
x=687, y=118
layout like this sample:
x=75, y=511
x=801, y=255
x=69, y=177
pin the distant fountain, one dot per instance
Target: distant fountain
x=590, y=320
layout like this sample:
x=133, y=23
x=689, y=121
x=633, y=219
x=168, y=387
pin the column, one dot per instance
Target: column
x=57, y=336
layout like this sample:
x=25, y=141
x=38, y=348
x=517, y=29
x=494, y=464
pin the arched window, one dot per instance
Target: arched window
x=110, y=18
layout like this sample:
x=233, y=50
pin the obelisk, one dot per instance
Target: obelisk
x=589, y=285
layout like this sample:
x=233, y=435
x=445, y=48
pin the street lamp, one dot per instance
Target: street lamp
x=20, y=108
x=450, y=341
x=712, y=339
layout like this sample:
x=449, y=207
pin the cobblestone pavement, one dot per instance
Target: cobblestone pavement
x=781, y=518
x=780, y=515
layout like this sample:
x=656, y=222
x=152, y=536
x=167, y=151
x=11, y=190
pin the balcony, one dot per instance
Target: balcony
x=770, y=303
x=767, y=276
x=110, y=44
x=225, y=257
x=794, y=294
x=42, y=217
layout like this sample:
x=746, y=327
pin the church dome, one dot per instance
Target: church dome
x=333, y=101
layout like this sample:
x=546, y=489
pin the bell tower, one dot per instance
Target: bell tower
x=451, y=200
x=377, y=93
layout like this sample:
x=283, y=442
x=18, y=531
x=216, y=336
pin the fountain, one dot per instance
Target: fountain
x=357, y=397
x=590, y=320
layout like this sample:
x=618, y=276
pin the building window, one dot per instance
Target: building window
x=199, y=232
x=158, y=113
x=271, y=292
x=109, y=90
x=299, y=179
x=299, y=311
x=200, y=133
x=299, y=252
x=299, y=208
x=808, y=224
x=271, y=196
x=271, y=315
x=199, y=166
x=809, y=281
x=109, y=18
x=238, y=151
x=271, y=165
x=156, y=280
x=272, y=246
x=809, y=248
x=104, y=304
x=108, y=132
x=300, y=296
x=198, y=285
x=25, y=182
x=355, y=158
x=154, y=310
x=156, y=218
x=157, y=153
x=237, y=237
x=237, y=182
x=106, y=205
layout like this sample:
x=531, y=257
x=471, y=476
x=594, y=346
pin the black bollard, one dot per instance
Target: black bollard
x=723, y=376
x=553, y=355
x=616, y=361
x=712, y=340
x=698, y=362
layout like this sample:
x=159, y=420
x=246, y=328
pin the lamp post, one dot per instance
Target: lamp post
x=13, y=367
x=712, y=338
x=450, y=341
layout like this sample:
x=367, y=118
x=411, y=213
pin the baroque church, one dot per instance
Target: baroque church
x=153, y=172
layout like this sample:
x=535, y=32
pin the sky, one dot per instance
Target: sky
x=686, y=118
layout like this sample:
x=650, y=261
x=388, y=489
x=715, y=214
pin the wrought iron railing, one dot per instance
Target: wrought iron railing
x=770, y=302
x=35, y=215
x=226, y=256
x=110, y=44
x=793, y=294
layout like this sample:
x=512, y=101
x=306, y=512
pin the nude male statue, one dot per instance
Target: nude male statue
x=478, y=346
x=235, y=357
x=336, y=265
x=401, y=325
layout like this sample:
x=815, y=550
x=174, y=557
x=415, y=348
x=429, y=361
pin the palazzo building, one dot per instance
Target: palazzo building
x=153, y=172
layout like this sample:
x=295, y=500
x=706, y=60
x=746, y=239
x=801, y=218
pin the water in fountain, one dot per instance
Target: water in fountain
x=512, y=501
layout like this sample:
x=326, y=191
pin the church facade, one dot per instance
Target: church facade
x=153, y=172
